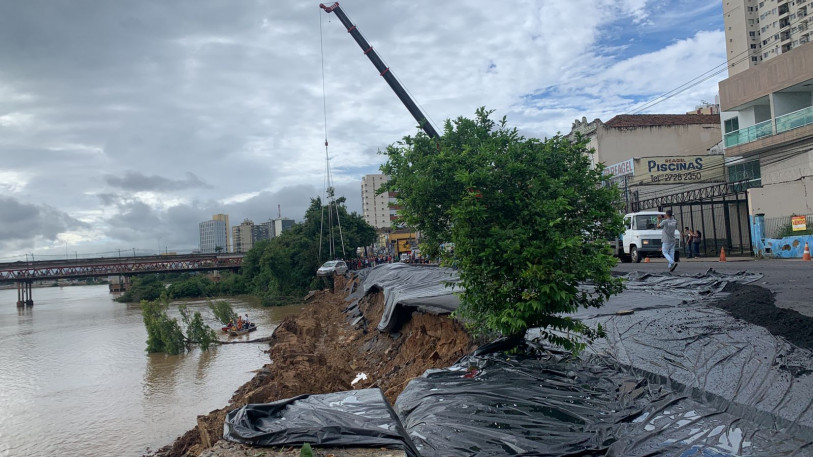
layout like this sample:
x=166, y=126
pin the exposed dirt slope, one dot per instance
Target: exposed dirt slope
x=318, y=351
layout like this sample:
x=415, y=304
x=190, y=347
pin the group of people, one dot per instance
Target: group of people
x=241, y=323
x=691, y=242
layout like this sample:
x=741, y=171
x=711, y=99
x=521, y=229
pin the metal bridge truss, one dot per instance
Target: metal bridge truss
x=35, y=271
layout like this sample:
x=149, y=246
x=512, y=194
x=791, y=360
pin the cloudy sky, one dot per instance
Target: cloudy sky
x=125, y=124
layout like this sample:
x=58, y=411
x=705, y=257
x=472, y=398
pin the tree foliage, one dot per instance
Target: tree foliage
x=223, y=311
x=529, y=220
x=278, y=270
x=164, y=334
x=285, y=266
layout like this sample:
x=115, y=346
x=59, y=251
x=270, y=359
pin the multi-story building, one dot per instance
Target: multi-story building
x=243, y=236
x=767, y=117
x=225, y=218
x=759, y=30
x=672, y=161
x=213, y=236
x=281, y=224
x=378, y=210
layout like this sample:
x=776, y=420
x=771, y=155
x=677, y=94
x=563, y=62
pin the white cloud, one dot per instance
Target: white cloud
x=142, y=124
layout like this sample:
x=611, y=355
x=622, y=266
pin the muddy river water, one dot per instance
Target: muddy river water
x=75, y=378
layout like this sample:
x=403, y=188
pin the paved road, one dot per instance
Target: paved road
x=790, y=280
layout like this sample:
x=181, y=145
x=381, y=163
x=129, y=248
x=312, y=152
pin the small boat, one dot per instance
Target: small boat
x=242, y=331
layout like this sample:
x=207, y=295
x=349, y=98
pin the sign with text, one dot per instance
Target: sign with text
x=799, y=223
x=679, y=169
x=624, y=168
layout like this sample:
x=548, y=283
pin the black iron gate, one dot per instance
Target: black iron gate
x=719, y=212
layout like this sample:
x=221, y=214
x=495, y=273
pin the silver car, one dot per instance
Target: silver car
x=332, y=267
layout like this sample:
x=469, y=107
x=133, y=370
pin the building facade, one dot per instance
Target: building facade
x=378, y=210
x=282, y=224
x=243, y=236
x=213, y=236
x=760, y=30
x=225, y=218
x=767, y=117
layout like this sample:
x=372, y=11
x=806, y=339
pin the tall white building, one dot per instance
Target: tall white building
x=759, y=30
x=378, y=210
x=213, y=236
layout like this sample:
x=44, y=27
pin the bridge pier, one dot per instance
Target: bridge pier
x=24, y=294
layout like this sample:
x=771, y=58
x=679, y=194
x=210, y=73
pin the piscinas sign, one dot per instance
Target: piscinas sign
x=679, y=169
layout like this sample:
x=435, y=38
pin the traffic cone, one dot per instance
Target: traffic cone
x=722, y=254
x=806, y=255
x=646, y=259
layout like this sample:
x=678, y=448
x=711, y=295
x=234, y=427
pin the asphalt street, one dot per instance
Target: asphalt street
x=791, y=281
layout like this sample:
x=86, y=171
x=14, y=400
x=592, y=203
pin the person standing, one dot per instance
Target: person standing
x=696, y=242
x=668, y=226
x=687, y=242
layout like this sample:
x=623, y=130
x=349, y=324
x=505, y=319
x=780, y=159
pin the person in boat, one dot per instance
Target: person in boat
x=239, y=322
x=231, y=324
x=246, y=323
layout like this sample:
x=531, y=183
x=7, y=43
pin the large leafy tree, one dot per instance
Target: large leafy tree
x=529, y=220
x=164, y=334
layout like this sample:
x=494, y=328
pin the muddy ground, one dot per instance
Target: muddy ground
x=319, y=351
x=755, y=305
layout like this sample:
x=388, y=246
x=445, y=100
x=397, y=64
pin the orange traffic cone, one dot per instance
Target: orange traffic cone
x=722, y=254
x=646, y=259
x=806, y=255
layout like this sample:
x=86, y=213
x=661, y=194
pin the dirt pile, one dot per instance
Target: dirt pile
x=755, y=304
x=319, y=351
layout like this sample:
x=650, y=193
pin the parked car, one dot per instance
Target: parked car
x=332, y=267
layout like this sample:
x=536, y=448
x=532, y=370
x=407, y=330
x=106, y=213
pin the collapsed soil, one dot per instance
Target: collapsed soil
x=755, y=305
x=319, y=351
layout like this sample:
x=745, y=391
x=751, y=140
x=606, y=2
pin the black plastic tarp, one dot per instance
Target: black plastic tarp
x=359, y=418
x=424, y=288
x=676, y=336
x=557, y=405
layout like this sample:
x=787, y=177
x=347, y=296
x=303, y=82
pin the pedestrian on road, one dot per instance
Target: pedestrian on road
x=668, y=226
x=696, y=242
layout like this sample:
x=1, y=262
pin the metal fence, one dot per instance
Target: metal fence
x=780, y=227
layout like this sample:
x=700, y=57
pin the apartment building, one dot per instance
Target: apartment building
x=378, y=210
x=759, y=30
x=767, y=116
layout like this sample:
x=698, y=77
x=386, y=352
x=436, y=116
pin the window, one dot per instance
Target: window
x=732, y=124
x=746, y=174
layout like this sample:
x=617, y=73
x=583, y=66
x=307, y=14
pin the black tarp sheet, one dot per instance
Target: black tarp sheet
x=676, y=377
x=360, y=418
x=429, y=289
x=675, y=336
x=556, y=405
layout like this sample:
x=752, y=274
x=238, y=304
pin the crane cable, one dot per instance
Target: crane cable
x=329, y=191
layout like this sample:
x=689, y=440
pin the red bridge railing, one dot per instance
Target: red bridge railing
x=83, y=268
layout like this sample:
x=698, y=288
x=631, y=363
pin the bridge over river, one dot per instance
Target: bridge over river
x=24, y=274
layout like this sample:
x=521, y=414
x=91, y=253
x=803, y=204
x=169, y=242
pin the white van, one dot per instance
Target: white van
x=642, y=237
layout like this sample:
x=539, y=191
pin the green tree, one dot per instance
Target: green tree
x=529, y=220
x=164, y=334
x=223, y=311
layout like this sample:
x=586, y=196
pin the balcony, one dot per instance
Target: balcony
x=749, y=134
x=794, y=120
